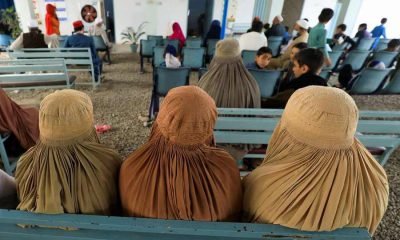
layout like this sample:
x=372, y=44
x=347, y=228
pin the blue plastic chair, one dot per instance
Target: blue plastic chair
x=274, y=43
x=201, y=72
x=393, y=87
x=356, y=58
x=173, y=42
x=5, y=40
x=369, y=81
x=159, y=39
x=193, y=42
x=248, y=56
x=146, y=50
x=325, y=74
x=267, y=80
x=365, y=44
x=388, y=58
x=101, y=46
x=382, y=45
x=193, y=57
x=164, y=80
x=335, y=57
x=8, y=166
x=158, y=56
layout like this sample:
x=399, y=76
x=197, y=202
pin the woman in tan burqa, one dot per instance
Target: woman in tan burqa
x=68, y=170
x=316, y=175
x=178, y=173
x=22, y=123
x=227, y=80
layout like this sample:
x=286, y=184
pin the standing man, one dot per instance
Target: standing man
x=79, y=40
x=317, y=37
x=379, y=31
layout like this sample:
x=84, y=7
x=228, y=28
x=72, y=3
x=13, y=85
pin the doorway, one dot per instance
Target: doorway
x=109, y=19
x=199, y=17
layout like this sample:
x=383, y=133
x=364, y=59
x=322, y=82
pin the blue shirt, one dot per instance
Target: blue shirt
x=379, y=31
x=81, y=41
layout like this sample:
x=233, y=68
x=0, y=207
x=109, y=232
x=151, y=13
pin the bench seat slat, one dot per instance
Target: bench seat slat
x=26, y=68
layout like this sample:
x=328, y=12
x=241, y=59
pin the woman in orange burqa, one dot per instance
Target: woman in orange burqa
x=179, y=173
x=52, y=22
x=22, y=123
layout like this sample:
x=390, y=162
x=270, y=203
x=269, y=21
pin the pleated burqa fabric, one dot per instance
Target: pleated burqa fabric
x=316, y=175
x=227, y=80
x=21, y=122
x=68, y=170
x=177, y=174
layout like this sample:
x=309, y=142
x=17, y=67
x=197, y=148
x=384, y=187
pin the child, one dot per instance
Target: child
x=289, y=68
x=171, y=59
x=307, y=64
x=262, y=59
x=317, y=37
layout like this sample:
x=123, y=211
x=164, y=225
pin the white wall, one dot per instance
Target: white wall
x=25, y=12
x=159, y=14
x=274, y=7
x=244, y=11
x=218, y=10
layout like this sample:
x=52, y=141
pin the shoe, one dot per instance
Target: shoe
x=144, y=118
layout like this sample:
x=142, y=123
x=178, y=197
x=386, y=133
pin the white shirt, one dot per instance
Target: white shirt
x=252, y=41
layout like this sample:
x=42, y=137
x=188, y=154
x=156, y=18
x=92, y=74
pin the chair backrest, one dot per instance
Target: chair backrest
x=356, y=59
x=168, y=78
x=99, y=43
x=365, y=44
x=340, y=47
x=388, y=58
x=382, y=44
x=335, y=57
x=248, y=56
x=193, y=42
x=369, y=81
x=5, y=40
x=325, y=74
x=266, y=80
x=274, y=43
x=211, y=43
x=201, y=72
x=146, y=47
x=193, y=57
x=393, y=87
x=173, y=42
x=159, y=39
x=158, y=55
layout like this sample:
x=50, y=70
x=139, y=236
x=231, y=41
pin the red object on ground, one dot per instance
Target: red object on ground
x=102, y=128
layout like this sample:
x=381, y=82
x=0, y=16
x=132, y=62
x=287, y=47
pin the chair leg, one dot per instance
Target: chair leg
x=4, y=158
x=141, y=64
x=108, y=56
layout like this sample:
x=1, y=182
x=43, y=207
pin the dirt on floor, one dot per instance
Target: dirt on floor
x=125, y=94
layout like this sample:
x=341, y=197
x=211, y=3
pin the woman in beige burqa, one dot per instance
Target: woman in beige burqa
x=316, y=175
x=227, y=80
x=68, y=170
x=178, y=173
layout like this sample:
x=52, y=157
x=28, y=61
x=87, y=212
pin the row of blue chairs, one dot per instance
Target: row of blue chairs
x=365, y=44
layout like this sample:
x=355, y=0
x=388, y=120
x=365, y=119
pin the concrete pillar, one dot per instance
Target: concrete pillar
x=24, y=9
x=274, y=7
x=349, y=13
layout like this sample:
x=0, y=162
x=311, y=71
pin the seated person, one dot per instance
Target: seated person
x=171, y=58
x=289, y=75
x=340, y=37
x=261, y=61
x=253, y=40
x=68, y=170
x=8, y=191
x=227, y=80
x=361, y=34
x=277, y=29
x=347, y=76
x=317, y=176
x=98, y=30
x=22, y=123
x=79, y=40
x=307, y=65
x=177, y=34
x=179, y=173
x=34, y=38
x=393, y=45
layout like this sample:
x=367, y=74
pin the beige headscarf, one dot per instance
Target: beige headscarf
x=177, y=174
x=68, y=170
x=316, y=175
x=227, y=80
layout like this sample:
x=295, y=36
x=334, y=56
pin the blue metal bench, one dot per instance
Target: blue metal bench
x=76, y=59
x=255, y=126
x=87, y=227
x=31, y=74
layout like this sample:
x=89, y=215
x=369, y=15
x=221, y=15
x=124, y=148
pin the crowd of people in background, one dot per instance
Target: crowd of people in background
x=313, y=161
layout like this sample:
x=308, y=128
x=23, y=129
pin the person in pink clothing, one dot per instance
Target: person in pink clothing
x=177, y=34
